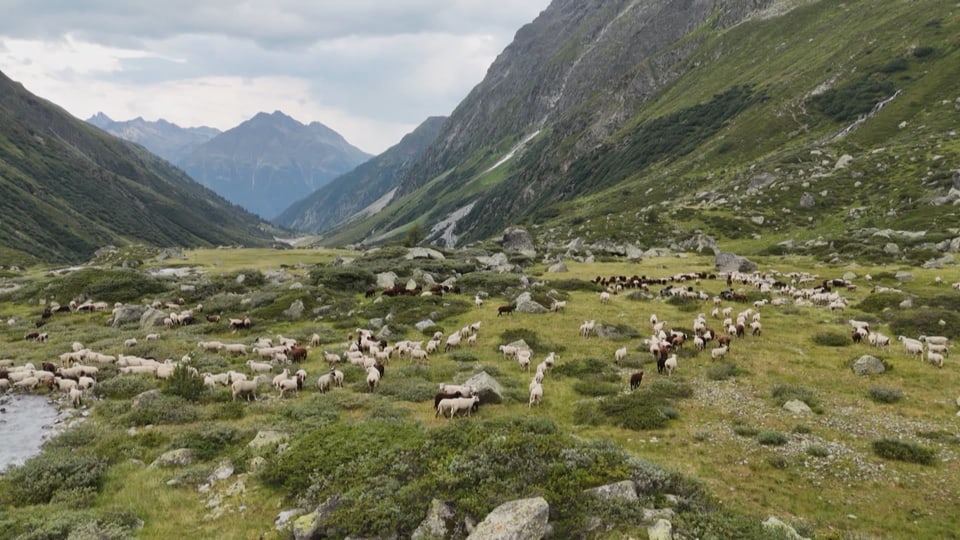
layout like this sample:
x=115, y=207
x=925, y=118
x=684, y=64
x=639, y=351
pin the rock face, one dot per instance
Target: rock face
x=127, y=314
x=437, y=524
x=868, y=365
x=424, y=253
x=517, y=239
x=620, y=491
x=729, y=262
x=489, y=390
x=524, y=519
x=525, y=304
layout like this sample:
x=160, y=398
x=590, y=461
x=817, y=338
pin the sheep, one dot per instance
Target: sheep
x=465, y=391
x=298, y=354
x=4, y=385
x=212, y=346
x=432, y=345
x=935, y=359
x=508, y=309
x=942, y=349
x=235, y=348
x=76, y=346
x=279, y=378
x=64, y=385
x=523, y=358
x=132, y=342
x=294, y=384
x=315, y=340
x=324, y=382
x=936, y=340
x=620, y=355
x=76, y=396
x=536, y=395
x=337, y=377
x=670, y=364
x=373, y=378
x=699, y=343
x=28, y=383
x=551, y=359
x=86, y=383
x=419, y=354
x=257, y=367
x=152, y=337
x=509, y=351
x=755, y=328
x=718, y=352
x=635, y=380
x=477, y=301
x=911, y=346
x=878, y=340
x=332, y=358
x=472, y=340
x=604, y=297
x=587, y=328
x=456, y=405
x=558, y=305
x=246, y=389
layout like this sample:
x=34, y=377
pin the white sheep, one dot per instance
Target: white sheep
x=558, y=305
x=464, y=390
x=912, y=346
x=325, y=382
x=472, y=340
x=523, y=358
x=604, y=297
x=419, y=354
x=620, y=355
x=212, y=346
x=373, y=378
x=942, y=349
x=289, y=384
x=285, y=374
x=235, y=348
x=86, y=383
x=878, y=340
x=246, y=389
x=338, y=378
x=259, y=367
x=331, y=358
x=76, y=396
x=587, y=328
x=936, y=340
x=670, y=364
x=509, y=351
x=718, y=352
x=152, y=337
x=315, y=340
x=935, y=359
x=132, y=342
x=477, y=301
x=456, y=405
x=536, y=395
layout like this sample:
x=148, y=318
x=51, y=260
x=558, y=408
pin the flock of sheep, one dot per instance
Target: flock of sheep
x=77, y=371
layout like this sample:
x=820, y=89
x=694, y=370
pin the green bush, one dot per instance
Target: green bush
x=940, y=436
x=878, y=302
x=882, y=394
x=343, y=278
x=802, y=429
x=595, y=388
x=43, y=476
x=162, y=409
x=101, y=284
x=184, y=383
x=722, y=372
x=847, y=102
x=817, y=450
x=210, y=440
x=915, y=322
x=770, y=437
x=778, y=462
x=832, y=339
x=409, y=389
x=745, y=431
x=904, y=451
x=463, y=356
x=783, y=393
x=124, y=387
x=532, y=339
x=575, y=285
x=649, y=408
x=893, y=66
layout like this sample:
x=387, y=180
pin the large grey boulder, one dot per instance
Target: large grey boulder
x=523, y=519
x=385, y=280
x=426, y=323
x=151, y=318
x=517, y=239
x=489, y=390
x=423, y=253
x=868, y=365
x=498, y=262
x=180, y=457
x=295, y=311
x=127, y=314
x=144, y=398
x=730, y=262
x=526, y=304
x=557, y=268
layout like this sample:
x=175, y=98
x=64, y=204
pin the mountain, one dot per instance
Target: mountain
x=356, y=193
x=165, y=139
x=270, y=161
x=67, y=189
x=795, y=125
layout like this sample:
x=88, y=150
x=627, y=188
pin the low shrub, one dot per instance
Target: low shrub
x=595, y=388
x=878, y=302
x=915, y=322
x=124, y=387
x=185, y=384
x=817, y=450
x=532, y=339
x=744, y=430
x=770, y=437
x=210, y=440
x=904, y=451
x=832, y=339
x=45, y=475
x=722, y=372
x=882, y=394
x=343, y=278
x=162, y=409
x=649, y=408
x=802, y=429
x=575, y=285
x=463, y=356
x=778, y=462
x=939, y=436
x=783, y=393
x=411, y=389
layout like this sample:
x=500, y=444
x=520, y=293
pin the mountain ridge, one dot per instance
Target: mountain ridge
x=165, y=139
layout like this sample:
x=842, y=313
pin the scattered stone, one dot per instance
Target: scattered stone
x=175, y=458
x=423, y=253
x=757, y=220
x=307, y=526
x=343, y=261
x=891, y=249
x=144, y=398
x=939, y=263
x=761, y=180
x=868, y=365
x=807, y=200
x=797, y=407
x=907, y=304
x=489, y=390
x=661, y=530
x=438, y=522
x=633, y=253
x=781, y=529
x=524, y=519
x=903, y=275
x=411, y=284
x=386, y=280
x=620, y=491
x=844, y=160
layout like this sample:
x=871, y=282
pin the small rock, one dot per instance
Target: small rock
x=797, y=407
x=524, y=519
x=175, y=458
x=267, y=438
x=661, y=530
x=807, y=200
x=558, y=267
x=781, y=529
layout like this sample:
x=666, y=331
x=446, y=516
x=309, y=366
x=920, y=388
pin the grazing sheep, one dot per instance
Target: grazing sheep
x=558, y=305
x=935, y=359
x=604, y=297
x=152, y=337
x=315, y=340
x=332, y=358
x=212, y=346
x=294, y=384
x=456, y=405
x=620, y=355
x=477, y=301
x=285, y=374
x=718, y=352
x=373, y=378
x=587, y=328
x=942, y=349
x=936, y=340
x=419, y=354
x=509, y=351
x=508, y=309
x=472, y=340
x=878, y=340
x=636, y=379
x=246, y=389
x=325, y=382
x=912, y=346
x=670, y=364
x=259, y=367
x=132, y=342
x=76, y=396
x=235, y=348
x=463, y=390
x=453, y=341
x=337, y=377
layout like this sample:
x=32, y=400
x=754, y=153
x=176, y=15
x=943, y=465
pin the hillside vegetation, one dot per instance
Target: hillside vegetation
x=68, y=189
x=801, y=127
x=710, y=446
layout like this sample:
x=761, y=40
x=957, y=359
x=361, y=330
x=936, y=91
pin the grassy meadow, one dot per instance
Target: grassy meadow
x=877, y=457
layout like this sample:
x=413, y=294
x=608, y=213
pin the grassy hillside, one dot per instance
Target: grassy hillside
x=67, y=189
x=746, y=124
x=714, y=434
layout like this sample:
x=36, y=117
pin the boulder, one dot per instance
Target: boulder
x=868, y=365
x=797, y=407
x=426, y=323
x=423, y=253
x=343, y=261
x=411, y=284
x=849, y=276
x=144, y=398
x=938, y=263
x=307, y=527
x=497, y=262
x=517, y=239
x=525, y=304
x=781, y=529
x=730, y=262
x=844, y=160
x=385, y=280
x=438, y=522
x=807, y=200
x=523, y=519
x=557, y=268
x=180, y=457
x=652, y=515
x=904, y=276
x=295, y=311
x=620, y=491
x=520, y=344
x=907, y=304
x=891, y=249
x=757, y=220
x=633, y=253
x=761, y=180
x=489, y=390
x=282, y=521
x=152, y=318
x=268, y=437
x=128, y=314
x=661, y=530
x=424, y=277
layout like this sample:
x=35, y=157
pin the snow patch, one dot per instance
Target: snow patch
x=512, y=151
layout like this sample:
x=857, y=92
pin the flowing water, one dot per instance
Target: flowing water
x=25, y=422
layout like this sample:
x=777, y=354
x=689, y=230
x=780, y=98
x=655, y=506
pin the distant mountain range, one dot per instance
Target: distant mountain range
x=270, y=161
x=364, y=190
x=167, y=140
x=67, y=189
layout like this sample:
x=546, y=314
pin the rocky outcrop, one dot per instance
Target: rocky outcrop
x=730, y=262
x=180, y=457
x=423, y=253
x=489, y=390
x=525, y=304
x=868, y=365
x=517, y=239
x=439, y=522
x=523, y=519
x=127, y=314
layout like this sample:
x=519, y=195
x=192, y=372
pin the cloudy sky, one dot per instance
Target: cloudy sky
x=370, y=69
